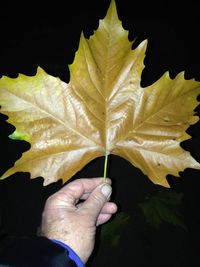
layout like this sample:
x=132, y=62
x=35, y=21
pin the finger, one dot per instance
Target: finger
x=96, y=201
x=107, y=211
x=109, y=207
x=73, y=191
x=103, y=218
x=85, y=196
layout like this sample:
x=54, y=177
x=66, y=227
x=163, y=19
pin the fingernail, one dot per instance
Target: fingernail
x=106, y=189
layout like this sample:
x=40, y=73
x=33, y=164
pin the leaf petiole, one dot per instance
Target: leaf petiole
x=105, y=168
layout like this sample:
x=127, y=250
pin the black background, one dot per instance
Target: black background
x=48, y=36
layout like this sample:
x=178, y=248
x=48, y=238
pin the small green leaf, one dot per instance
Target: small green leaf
x=19, y=136
x=163, y=206
x=111, y=231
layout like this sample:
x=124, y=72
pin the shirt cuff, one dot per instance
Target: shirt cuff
x=72, y=255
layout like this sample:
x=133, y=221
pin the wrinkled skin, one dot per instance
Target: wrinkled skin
x=72, y=214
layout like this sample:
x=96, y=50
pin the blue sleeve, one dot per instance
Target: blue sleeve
x=72, y=255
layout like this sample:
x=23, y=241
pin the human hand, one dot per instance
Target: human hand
x=72, y=214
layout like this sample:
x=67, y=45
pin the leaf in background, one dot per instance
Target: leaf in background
x=163, y=206
x=111, y=231
x=102, y=110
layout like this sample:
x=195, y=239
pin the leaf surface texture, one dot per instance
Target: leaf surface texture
x=102, y=110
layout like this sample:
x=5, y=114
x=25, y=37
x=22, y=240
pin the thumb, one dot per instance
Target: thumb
x=98, y=197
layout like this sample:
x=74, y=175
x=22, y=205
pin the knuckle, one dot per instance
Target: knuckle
x=97, y=198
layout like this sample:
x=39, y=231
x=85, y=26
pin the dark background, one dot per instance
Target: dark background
x=47, y=36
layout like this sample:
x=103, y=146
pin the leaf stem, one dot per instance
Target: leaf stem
x=105, y=168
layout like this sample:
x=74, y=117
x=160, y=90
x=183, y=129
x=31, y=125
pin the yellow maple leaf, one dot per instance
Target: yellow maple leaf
x=102, y=110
